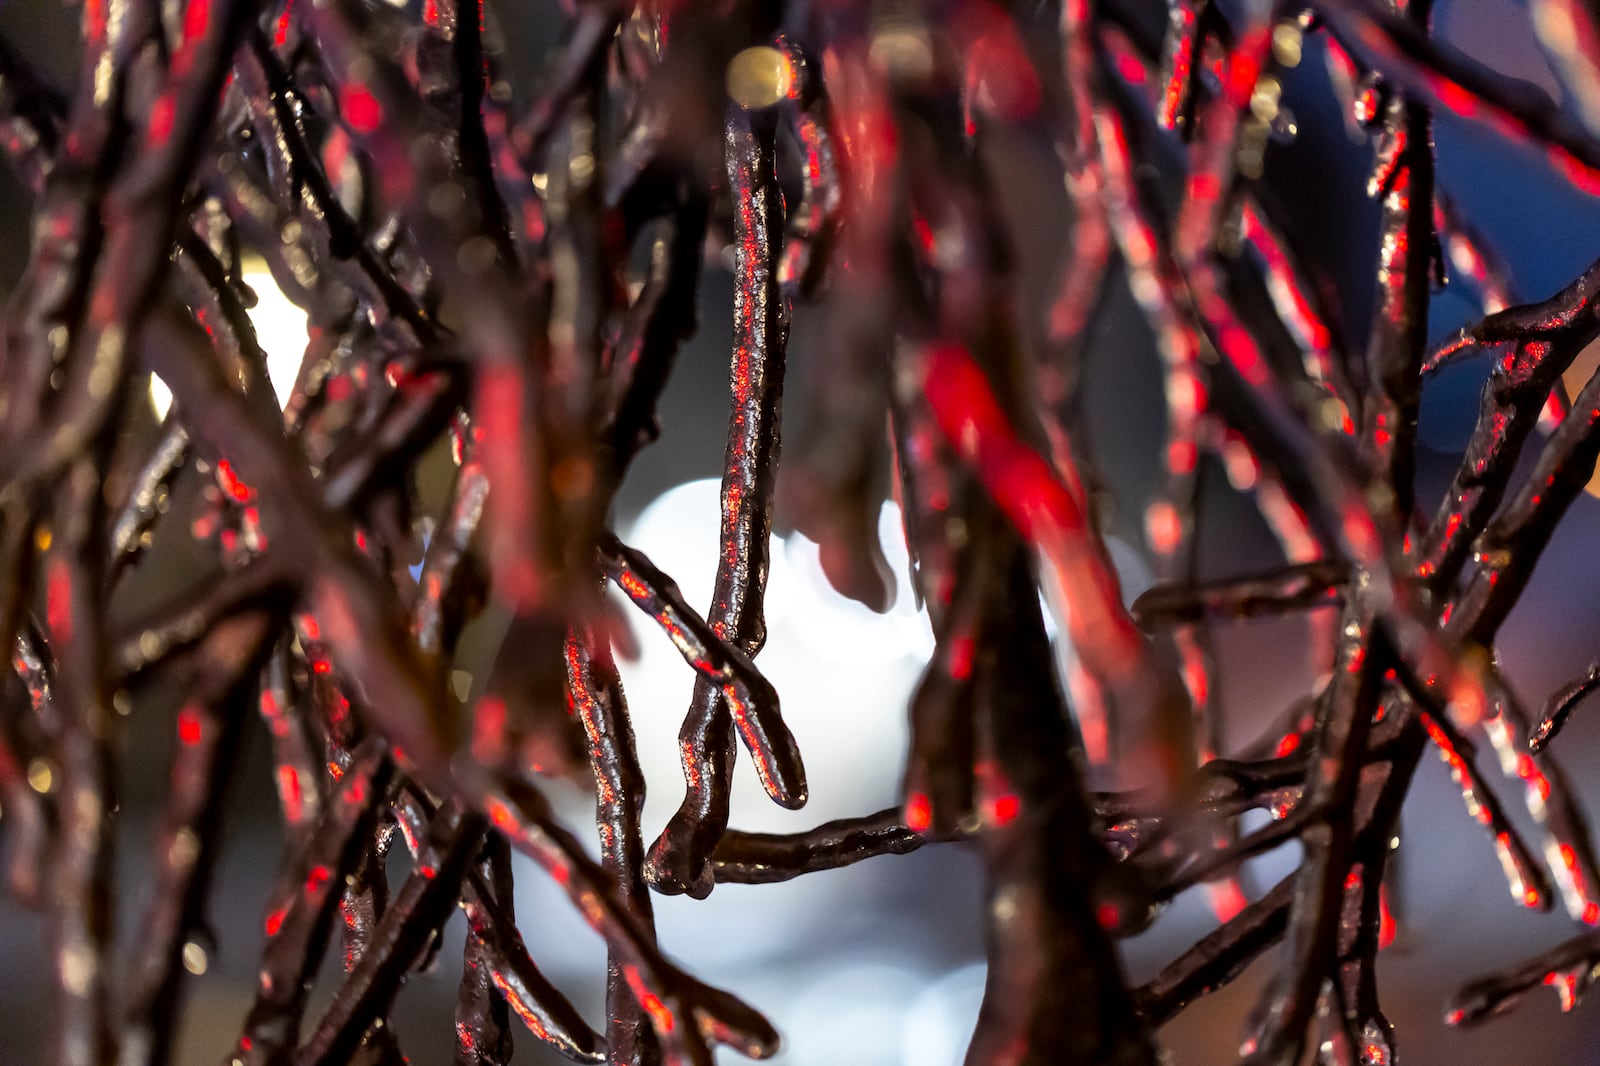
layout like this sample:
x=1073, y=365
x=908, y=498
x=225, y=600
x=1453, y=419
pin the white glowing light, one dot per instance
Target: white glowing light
x=280, y=330
x=160, y=396
x=850, y=1015
x=679, y=530
x=840, y=668
x=939, y=1024
x=838, y=628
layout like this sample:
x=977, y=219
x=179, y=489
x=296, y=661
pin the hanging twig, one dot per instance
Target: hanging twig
x=679, y=860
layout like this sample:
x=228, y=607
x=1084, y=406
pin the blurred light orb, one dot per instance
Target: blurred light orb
x=759, y=77
x=851, y=1016
x=941, y=1019
x=838, y=665
x=837, y=627
x=680, y=530
x=903, y=49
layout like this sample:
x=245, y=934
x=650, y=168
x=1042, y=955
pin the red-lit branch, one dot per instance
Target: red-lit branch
x=1568, y=968
x=1449, y=80
x=679, y=861
x=1291, y=588
x=1560, y=706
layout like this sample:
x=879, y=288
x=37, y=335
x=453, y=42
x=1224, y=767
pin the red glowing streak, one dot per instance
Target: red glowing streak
x=1244, y=70
x=196, y=17
x=282, y=36
x=335, y=156
x=524, y=1011
x=1388, y=929
x=94, y=13
x=1227, y=900
x=162, y=114
x=361, y=109
x=1037, y=502
x=1566, y=986
x=500, y=413
x=1529, y=772
x=1183, y=456
x=190, y=728
x=963, y=650
x=290, y=793
x=919, y=813
x=1182, y=66
x=1195, y=677
x=231, y=483
x=58, y=600
x=634, y=587
x=1131, y=69
x=658, y=1011
x=501, y=818
x=1288, y=292
x=489, y=728
x=1163, y=526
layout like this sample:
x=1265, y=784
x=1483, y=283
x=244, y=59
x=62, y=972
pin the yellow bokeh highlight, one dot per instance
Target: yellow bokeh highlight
x=760, y=77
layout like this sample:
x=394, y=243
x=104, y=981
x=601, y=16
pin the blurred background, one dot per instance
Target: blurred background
x=882, y=964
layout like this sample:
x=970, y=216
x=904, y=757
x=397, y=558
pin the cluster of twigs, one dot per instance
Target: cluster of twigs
x=517, y=280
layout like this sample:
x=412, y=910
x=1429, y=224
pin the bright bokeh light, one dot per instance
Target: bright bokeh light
x=160, y=396
x=280, y=330
x=679, y=531
x=850, y=1016
x=842, y=671
x=838, y=628
x=845, y=675
x=941, y=1019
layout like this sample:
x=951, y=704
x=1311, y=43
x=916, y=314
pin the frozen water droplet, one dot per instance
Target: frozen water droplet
x=1375, y=1050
